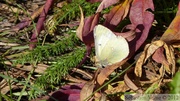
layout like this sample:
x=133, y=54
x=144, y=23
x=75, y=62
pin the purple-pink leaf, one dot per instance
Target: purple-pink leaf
x=67, y=93
x=159, y=56
x=85, y=33
x=93, y=1
x=26, y=22
x=85, y=29
x=117, y=14
x=142, y=19
x=106, y=3
x=40, y=23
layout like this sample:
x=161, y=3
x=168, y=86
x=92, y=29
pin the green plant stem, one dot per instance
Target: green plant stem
x=8, y=81
x=15, y=80
x=29, y=76
x=110, y=81
x=5, y=97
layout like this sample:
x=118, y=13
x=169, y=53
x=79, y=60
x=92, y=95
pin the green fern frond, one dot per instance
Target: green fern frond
x=55, y=72
x=45, y=52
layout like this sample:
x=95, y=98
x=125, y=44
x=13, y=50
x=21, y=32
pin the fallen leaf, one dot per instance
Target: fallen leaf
x=131, y=82
x=142, y=19
x=67, y=93
x=40, y=24
x=117, y=14
x=26, y=22
x=105, y=4
x=88, y=88
x=79, y=30
x=85, y=33
x=93, y=1
x=168, y=63
x=85, y=29
x=121, y=87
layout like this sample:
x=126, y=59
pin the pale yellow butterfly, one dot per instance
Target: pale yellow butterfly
x=109, y=48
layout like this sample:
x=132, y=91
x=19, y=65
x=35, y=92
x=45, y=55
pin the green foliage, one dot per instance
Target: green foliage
x=63, y=55
x=21, y=82
x=69, y=12
x=152, y=88
x=55, y=72
x=175, y=84
x=47, y=51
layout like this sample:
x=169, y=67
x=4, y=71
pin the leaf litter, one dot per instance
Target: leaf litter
x=154, y=68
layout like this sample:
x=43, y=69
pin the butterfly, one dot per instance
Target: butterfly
x=109, y=48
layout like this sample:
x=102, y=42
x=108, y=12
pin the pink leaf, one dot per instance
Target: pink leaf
x=117, y=14
x=40, y=23
x=142, y=19
x=67, y=93
x=105, y=4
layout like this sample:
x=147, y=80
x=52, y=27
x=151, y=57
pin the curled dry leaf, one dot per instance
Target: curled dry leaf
x=88, y=88
x=171, y=36
x=85, y=29
x=150, y=49
x=105, y=4
x=117, y=14
x=129, y=79
x=121, y=87
x=40, y=24
x=85, y=32
x=81, y=24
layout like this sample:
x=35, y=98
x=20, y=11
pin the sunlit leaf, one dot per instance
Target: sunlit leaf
x=117, y=14
x=172, y=34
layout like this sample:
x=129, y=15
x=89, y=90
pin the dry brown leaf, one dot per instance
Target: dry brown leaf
x=129, y=79
x=39, y=68
x=81, y=25
x=7, y=88
x=105, y=72
x=149, y=50
x=122, y=87
x=85, y=29
x=88, y=88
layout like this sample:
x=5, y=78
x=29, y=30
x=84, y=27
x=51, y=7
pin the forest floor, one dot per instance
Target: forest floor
x=156, y=61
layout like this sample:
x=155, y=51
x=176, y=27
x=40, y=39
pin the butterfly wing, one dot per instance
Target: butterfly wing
x=109, y=48
x=116, y=49
x=101, y=37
